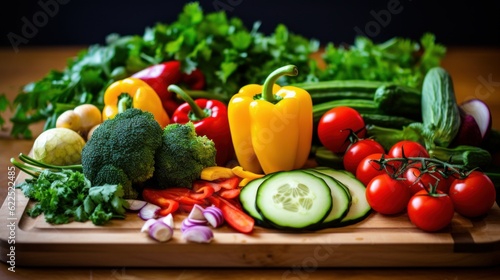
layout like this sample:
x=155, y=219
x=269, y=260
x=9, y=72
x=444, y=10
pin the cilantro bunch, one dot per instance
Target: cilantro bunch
x=65, y=196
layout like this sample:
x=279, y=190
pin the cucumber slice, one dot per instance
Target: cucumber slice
x=247, y=199
x=360, y=209
x=341, y=199
x=294, y=200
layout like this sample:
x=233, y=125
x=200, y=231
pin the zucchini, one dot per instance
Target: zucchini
x=468, y=156
x=340, y=85
x=399, y=100
x=325, y=157
x=321, y=97
x=360, y=209
x=341, y=199
x=440, y=111
x=293, y=200
x=386, y=121
x=360, y=105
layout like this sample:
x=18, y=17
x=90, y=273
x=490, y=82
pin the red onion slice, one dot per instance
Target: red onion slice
x=147, y=225
x=196, y=213
x=214, y=216
x=149, y=211
x=160, y=231
x=187, y=223
x=199, y=234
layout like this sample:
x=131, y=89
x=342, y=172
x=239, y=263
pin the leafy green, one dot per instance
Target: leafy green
x=4, y=104
x=399, y=60
x=227, y=52
x=67, y=195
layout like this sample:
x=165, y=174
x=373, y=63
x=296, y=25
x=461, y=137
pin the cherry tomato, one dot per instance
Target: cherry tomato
x=409, y=148
x=430, y=212
x=417, y=181
x=368, y=168
x=387, y=195
x=474, y=195
x=336, y=125
x=358, y=150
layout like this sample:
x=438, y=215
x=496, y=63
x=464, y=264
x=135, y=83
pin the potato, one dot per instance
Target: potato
x=58, y=146
x=90, y=116
x=70, y=119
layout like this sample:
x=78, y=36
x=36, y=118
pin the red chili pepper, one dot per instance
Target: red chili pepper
x=235, y=217
x=209, y=117
x=160, y=76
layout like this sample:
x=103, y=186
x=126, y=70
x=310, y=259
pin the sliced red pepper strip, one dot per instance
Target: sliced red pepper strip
x=235, y=217
x=202, y=192
x=198, y=184
x=181, y=195
x=229, y=193
x=229, y=183
x=167, y=205
x=172, y=208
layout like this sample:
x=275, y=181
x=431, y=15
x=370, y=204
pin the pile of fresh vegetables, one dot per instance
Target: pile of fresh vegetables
x=189, y=120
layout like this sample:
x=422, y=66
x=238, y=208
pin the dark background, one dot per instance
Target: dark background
x=79, y=22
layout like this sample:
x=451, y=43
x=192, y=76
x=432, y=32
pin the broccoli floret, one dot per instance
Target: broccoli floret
x=182, y=156
x=122, y=150
x=110, y=174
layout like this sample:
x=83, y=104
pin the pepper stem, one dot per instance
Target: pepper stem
x=267, y=89
x=197, y=111
x=124, y=102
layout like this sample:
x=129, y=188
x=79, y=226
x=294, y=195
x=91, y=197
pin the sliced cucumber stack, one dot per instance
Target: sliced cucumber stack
x=247, y=199
x=360, y=209
x=306, y=199
x=294, y=200
x=341, y=199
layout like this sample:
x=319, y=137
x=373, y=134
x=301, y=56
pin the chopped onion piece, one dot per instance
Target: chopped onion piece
x=161, y=231
x=149, y=211
x=196, y=213
x=214, y=216
x=187, y=223
x=147, y=224
x=135, y=204
x=168, y=220
x=199, y=234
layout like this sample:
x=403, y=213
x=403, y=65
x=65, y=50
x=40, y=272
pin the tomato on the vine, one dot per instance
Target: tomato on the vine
x=474, y=195
x=418, y=180
x=387, y=195
x=358, y=150
x=430, y=212
x=368, y=168
x=337, y=124
x=407, y=148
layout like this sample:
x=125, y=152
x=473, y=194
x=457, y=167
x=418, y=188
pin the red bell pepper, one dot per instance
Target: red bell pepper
x=209, y=117
x=160, y=76
x=194, y=80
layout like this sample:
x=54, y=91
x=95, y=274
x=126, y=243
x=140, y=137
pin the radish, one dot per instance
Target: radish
x=481, y=113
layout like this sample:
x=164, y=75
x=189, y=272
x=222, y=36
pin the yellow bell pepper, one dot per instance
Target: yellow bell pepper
x=133, y=93
x=271, y=126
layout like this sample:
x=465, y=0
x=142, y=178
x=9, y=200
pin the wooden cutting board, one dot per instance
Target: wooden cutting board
x=378, y=241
